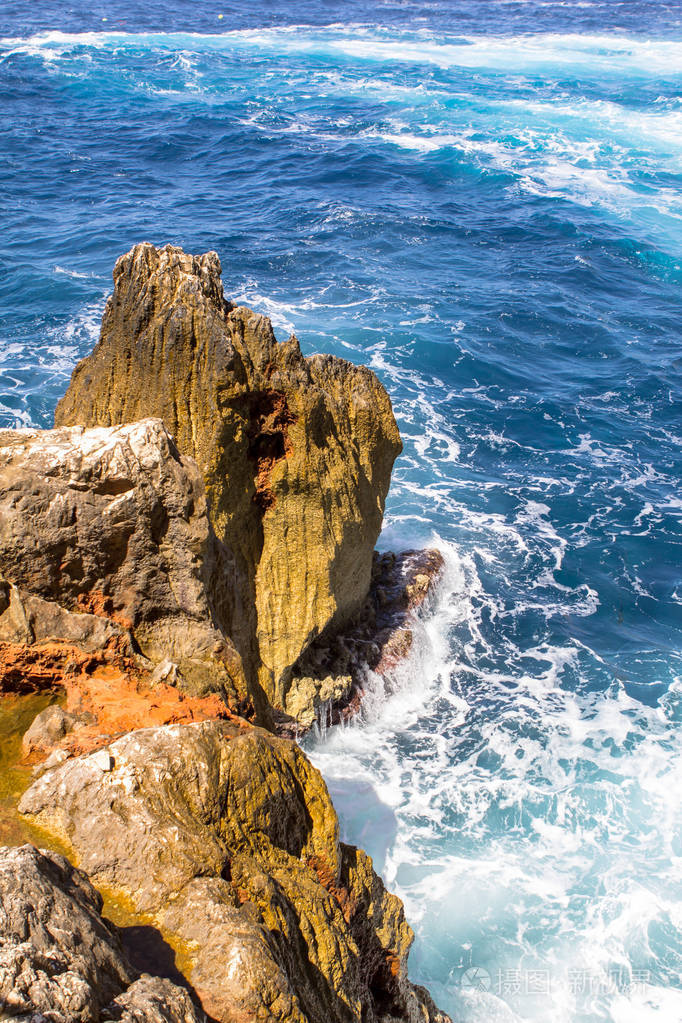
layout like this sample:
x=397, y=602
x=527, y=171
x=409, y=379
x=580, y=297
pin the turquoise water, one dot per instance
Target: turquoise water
x=483, y=201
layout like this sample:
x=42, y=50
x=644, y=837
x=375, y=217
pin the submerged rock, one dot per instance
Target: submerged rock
x=296, y=452
x=60, y=961
x=47, y=729
x=227, y=835
x=106, y=549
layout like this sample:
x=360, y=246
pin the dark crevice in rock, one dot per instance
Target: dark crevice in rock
x=62, y=961
x=149, y=952
x=269, y=420
x=113, y=488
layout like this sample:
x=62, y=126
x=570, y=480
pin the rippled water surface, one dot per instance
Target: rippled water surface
x=483, y=201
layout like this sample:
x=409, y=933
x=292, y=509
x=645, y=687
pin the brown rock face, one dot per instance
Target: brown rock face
x=296, y=452
x=106, y=550
x=226, y=835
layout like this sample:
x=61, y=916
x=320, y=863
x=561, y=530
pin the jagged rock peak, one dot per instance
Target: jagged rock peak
x=296, y=452
x=146, y=262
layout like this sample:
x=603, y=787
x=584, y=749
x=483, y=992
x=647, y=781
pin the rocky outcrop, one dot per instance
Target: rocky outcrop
x=226, y=836
x=106, y=552
x=296, y=452
x=60, y=961
x=188, y=571
x=329, y=679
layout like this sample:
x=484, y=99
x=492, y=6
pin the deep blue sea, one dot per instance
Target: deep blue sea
x=482, y=200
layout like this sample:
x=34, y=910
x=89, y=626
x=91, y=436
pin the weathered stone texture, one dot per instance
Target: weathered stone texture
x=106, y=547
x=227, y=835
x=47, y=729
x=296, y=452
x=60, y=961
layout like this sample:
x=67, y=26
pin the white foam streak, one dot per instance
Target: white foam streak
x=592, y=152
x=50, y=364
x=75, y=274
x=600, y=53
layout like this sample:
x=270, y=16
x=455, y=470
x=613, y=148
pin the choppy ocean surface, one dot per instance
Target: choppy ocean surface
x=482, y=201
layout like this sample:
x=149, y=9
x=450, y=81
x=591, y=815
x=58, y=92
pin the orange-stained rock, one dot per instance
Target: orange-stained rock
x=120, y=704
x=108, y=703
x=44, y=666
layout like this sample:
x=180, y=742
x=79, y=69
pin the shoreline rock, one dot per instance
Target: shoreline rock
x=228, y=838
x=60, y=961
x=296, y=452
x=116, y=575
x=330, y=677
x=190, y=596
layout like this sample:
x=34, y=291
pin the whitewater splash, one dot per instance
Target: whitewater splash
x=599, y=53
x=46, y=354
x=515, y=817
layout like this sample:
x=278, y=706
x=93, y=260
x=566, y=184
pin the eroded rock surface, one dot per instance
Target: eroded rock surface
x=105, y=550
x=60, y=961
x=227, y=835
x=166, y=588
x=296, y=452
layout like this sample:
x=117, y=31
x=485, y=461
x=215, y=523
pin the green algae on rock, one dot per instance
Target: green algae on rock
x=16, y=714
x=296, y=452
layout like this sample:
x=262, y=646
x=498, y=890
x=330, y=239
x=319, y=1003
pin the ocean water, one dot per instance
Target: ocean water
x=482, y=201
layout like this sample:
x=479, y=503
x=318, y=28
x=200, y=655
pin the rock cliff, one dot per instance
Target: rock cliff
x=296, y=452
x=226, y=836
x=106, y=550
x=60, y=961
